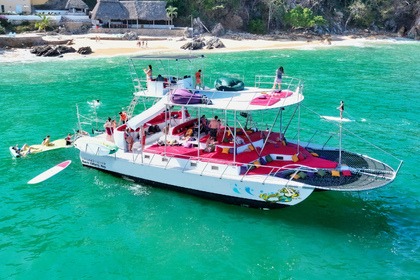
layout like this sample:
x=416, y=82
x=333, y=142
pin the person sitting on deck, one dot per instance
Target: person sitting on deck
x=159, y=78
x=46, y=141
x=210, y=146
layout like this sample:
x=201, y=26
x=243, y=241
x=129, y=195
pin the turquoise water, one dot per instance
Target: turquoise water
x=85, y=224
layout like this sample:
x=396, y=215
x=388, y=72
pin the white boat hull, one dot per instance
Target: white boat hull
x=254, y=191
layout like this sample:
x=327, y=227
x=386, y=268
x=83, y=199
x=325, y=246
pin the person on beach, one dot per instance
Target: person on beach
x=198, y=79
x=278, y=77
x=341, y=108
x=148, y=72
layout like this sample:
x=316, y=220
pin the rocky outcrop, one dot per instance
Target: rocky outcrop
x=199, y=43
x=130, y=36
x=84, y=50
x=214, y=43
x=195, y=44
x=51, y=50
x=414, y=32
x=218, y=30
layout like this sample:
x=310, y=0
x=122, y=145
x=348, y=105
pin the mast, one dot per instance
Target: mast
x=341, y=109
x=339, y=147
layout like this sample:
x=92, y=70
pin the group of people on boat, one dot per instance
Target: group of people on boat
x=111, y=124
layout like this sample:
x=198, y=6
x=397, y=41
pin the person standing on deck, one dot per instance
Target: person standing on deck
x=214, y=127
x=198, y=79
x=108, y=129
x=278, y=77
x=341, y=108
x=149, y=73
x=123, y=117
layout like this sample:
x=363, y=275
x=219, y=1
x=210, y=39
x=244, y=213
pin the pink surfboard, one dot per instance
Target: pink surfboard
x=50, y=172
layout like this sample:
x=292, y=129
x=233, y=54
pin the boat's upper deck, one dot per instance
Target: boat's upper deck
x=249, y=99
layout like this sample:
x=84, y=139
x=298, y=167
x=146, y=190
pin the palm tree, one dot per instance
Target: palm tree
x=171, y=12
x=43, y=24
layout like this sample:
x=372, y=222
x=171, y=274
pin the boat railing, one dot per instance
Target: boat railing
x=287, y=172
x=288, y=83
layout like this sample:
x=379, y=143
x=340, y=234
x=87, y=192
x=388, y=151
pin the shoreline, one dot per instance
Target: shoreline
x=110, y=46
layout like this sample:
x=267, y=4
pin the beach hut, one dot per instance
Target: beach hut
x=136, y=13
x=110, y=12
x=152, y=11
x=75, y=6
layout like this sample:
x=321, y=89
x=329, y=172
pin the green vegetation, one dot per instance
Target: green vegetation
x=43, y=24
x=256, y=26
x=171, y=12
x=262, y=16
x=300, y=17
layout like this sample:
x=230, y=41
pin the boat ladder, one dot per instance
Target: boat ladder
x=134, y=77
x=133, y=103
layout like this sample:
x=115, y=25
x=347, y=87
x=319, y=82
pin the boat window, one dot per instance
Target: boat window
x=193, y=164
x=214, y=167
x=146, y=156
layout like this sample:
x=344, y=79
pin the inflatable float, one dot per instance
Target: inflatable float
x=229, y=84
x=185, y=96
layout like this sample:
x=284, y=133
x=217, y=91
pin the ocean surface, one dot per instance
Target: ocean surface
x=85, y=224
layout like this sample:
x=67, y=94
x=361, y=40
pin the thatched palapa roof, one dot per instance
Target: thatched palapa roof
x=109, y=9
x=130, y=10
x=146, y=10
x=76, y=4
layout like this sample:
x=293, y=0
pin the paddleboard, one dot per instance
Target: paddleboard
x=50, y=172
x=336, y=119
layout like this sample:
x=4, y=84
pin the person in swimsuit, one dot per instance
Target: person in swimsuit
x=198, y=79
x=149, y=73
x=68, y=140
x=341, y=108
x=108, y=129
x=214, y=127
x=278, y=77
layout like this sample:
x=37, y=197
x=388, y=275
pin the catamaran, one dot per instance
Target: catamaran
x=249, y=157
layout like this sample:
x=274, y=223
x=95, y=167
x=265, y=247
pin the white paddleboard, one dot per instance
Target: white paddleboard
x=50, y=172
x=336, y=119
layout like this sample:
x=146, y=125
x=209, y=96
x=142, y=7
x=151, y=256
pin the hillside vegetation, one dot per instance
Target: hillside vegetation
x=321, y=16
x=331, y=16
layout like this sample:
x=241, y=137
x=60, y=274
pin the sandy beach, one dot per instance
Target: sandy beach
x=104, y=45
